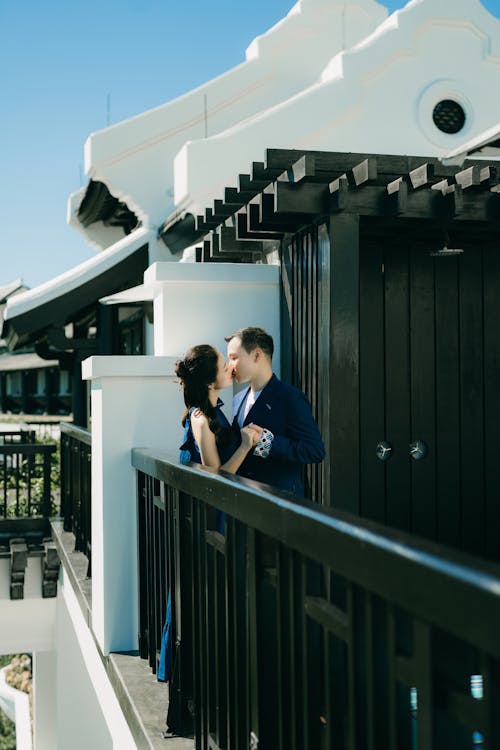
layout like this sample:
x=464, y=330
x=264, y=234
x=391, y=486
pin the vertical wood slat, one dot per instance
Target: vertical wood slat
x=252, y=652
x=491, y=282
x=286, y=313
x=372, y=383
x=472, y=393
x=143, y=564
x=422, y=320
x=295, y=314
x=397, y=398
x=304, y=666
x=198, y=668
x=378, y=677
x=150, y=628
x=425, y=687
x=286, y=676
x=313, y=342
x=221, y=638
x=302, y=318
x=268, y=643
x=448, y=513
x=324, y=406
x=344, y=360
x=491, y=697
x=210, y=687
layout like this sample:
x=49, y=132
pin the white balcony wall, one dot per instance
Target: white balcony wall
x=135, y=401
x=135, y=157
x=44, y=664
x=18, y=632
x=377, y=97
x=74, y=704
x=201, y=303
x=88, y=714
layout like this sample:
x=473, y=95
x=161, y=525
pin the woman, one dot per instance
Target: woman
x=208, y=437
x=208, y=440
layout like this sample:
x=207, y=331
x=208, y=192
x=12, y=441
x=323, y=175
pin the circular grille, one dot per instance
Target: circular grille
x=448, y=116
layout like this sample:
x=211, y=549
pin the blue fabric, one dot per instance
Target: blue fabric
x=190, y=453
x=165, y=660
x=285, y=411
x=189, y=450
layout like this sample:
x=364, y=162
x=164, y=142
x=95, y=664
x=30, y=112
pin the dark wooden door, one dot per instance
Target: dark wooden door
x=430, y=372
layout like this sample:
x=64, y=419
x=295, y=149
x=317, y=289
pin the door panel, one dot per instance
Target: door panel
x=430, y=361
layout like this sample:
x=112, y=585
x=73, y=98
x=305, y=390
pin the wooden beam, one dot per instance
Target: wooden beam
x=304, y=168
x=233, y=197
x=248, y=218
x=364, y=172
x=229, y=243
x=339, y=190
x=262, y=173
x=246, y=184
x=306, y=198
x=268, y=219
x=421, y=176
x=221, y=255
x=470, y=177
x=50, y=570
x=18, y=563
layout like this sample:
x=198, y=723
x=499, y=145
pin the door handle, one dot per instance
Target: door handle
x=384, y=451
x=418, y=450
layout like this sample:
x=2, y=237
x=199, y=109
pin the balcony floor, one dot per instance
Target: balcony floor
x=142, y=698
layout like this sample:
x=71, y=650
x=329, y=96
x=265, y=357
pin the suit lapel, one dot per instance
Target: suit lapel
x=264, y=403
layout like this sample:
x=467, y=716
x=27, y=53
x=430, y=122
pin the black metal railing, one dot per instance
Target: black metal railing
x=76, y=456
x=25, y=479
x=8, y=437
x=301, y=627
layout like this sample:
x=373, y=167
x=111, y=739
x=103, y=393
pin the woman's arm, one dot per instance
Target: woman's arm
x=208, y=446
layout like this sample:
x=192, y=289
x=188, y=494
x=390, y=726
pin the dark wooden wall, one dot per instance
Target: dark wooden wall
x=394, y=345
x=430, y=371
x=305, y=330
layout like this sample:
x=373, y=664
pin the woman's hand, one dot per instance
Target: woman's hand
x=257, y=429
x=249, y=437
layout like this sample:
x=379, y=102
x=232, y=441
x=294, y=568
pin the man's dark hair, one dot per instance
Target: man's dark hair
x=251, y=338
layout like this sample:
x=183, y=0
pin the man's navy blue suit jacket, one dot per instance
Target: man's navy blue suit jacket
x=285, y=411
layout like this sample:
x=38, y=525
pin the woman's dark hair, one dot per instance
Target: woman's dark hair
x=196, y=372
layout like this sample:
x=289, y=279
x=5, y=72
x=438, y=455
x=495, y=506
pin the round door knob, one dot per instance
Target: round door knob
x=418, y=450
x=384, y=451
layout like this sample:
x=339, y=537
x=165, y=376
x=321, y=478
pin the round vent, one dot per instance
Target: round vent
x=448, y=116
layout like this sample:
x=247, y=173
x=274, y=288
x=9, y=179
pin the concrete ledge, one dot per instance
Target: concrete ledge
x=128, y=366
x=212, y=273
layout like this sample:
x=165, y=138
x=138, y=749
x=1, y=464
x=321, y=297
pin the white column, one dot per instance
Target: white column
x=135, y=401
x=201, y=303
x=44, y=700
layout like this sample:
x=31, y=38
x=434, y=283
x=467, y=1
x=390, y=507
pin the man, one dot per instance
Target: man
x=288, y=434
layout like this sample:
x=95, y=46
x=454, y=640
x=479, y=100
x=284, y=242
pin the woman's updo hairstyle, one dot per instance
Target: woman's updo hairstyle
x=196, y=372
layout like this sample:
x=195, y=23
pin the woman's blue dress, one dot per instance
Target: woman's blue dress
x=189, y=450
x=190, y=453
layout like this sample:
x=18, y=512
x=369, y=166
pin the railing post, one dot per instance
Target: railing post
x=135, y=401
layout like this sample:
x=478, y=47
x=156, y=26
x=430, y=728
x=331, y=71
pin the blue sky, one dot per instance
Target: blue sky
x=61, y=63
